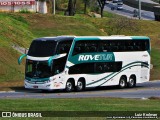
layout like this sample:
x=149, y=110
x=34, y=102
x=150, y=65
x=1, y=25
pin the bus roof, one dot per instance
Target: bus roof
x=58, y=38
x=113, y=37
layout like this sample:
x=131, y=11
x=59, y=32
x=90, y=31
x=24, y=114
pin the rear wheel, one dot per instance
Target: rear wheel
x=122, y=82
x=80, y=85
x=69, y=86
x=132, y=82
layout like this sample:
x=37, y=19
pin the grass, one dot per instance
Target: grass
x=79, y=104
x=62, y=25
x=13, y=30
x=108, y=14
x=75, y=106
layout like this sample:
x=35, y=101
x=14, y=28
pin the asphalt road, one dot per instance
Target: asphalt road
x=142, y=91
x=128, y=11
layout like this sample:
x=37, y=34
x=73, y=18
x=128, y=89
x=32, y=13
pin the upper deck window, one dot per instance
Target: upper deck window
x=86, y=46
x=42, y=48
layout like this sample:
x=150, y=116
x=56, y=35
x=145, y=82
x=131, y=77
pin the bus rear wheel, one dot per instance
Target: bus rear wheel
x=69, y=86
x=122, y=82
x=80, y=85
x=132, y=82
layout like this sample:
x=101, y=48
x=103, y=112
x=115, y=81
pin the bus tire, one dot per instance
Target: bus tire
x=80, y=85
x=69, y=86
x=132, y=82
x=122, y=82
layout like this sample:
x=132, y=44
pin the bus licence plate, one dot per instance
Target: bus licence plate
x=35, y=86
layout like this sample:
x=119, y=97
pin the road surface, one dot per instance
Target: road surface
x=128, y=11
x=142, y=91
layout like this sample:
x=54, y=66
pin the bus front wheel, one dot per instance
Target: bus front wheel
x=69, y=86
x=122, y=82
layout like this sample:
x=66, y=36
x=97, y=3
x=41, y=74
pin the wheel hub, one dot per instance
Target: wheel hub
x=79, y=84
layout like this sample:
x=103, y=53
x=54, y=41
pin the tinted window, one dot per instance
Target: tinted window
x=89, y=68
x=84, y=68
x=58, y=65
x=123, y=45
x=85, y=46
x=42, y=48
x=108, y=67
x=64, y=47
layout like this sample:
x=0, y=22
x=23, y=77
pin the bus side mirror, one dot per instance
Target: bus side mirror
x=20, y=58
x=55, y=57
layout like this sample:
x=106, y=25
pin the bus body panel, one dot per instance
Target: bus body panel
x=132, y=63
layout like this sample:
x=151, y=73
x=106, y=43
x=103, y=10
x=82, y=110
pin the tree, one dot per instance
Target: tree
x=119, y=25
x=101, y=5
x=71, y=10
x=86, y=2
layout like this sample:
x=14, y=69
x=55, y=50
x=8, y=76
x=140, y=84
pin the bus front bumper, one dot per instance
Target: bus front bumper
x=42, y=86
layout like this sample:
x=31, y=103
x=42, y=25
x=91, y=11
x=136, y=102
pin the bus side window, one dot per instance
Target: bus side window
x=108, y=67
x=64, y=47
x=82, y=69
x=146, y=44
x=79, y=47
x=85, y=47
x=104, y=46
x=58, y=65
x=139, y=44
x=99, y=68
x=91, y=46
x=123, y=45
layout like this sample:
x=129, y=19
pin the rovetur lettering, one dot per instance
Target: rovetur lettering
x=95, y=57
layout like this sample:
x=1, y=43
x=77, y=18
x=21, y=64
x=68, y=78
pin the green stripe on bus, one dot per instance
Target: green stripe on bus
x=87, y=38
x=123, y=68
x=140, y=37
x=120, y=72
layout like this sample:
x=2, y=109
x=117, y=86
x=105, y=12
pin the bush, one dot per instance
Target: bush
x=119, y=25
x=24, y=10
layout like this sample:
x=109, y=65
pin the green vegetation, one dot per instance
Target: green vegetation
x=13, y=30
x=62, y=25
x=79, y=104
x=24, y=10
x=20, y=29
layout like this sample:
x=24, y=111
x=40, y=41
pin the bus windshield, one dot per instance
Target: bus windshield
x=42, y=48
x=37, y=69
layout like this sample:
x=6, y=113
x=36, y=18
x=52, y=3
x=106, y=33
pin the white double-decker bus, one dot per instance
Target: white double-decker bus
x=76, y=62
